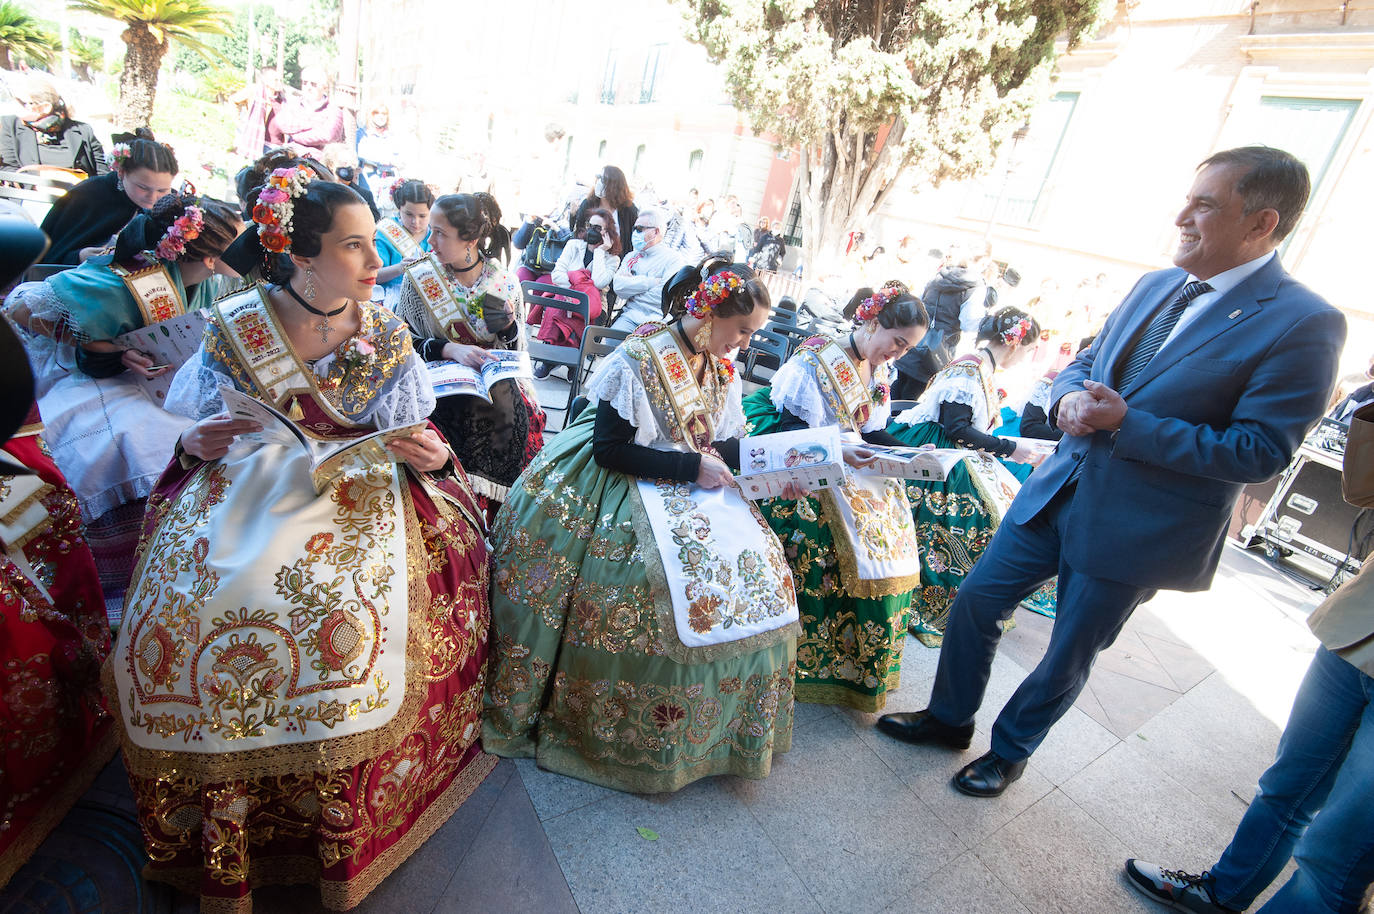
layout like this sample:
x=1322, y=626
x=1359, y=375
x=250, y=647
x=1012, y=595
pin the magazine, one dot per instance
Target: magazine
x=924, y=463
x=1041, y=446
x=450, y=378
x=328, y=459
x=809, y=457
x=170, y=343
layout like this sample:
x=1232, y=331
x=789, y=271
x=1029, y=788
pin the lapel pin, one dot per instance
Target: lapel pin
x=1234, y=314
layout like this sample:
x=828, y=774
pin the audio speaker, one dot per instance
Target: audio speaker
x=1307, y=513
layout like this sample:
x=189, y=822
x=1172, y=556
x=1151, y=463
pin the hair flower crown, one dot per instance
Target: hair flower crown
x=869, y=307
x=272, y=213
x=712, y=292
x=1016, y=333
x=187, y=227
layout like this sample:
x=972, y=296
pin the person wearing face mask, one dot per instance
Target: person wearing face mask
x=620, y=656
x=90, y=213
x=609, y=191
x=587, y=264
x=639, y=281
x=956, y=517
x=853, y=551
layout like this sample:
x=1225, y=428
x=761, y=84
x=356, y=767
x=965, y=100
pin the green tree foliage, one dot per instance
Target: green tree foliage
x=874, y=91
x=308, y=38
x=88, y=56
x=150, y=28
x=22, y=37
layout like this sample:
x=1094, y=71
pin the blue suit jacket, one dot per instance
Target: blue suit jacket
x=1225, y=403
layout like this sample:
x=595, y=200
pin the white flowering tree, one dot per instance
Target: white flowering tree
x=876, y=91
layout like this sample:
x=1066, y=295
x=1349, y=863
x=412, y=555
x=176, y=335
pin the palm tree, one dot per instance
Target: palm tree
x=150, y=27
x=88, y=56
x=22, y=36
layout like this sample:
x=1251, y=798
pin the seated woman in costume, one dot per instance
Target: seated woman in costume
x=299, y=673
x=57, y=732
x=643, y=615
x=89, y=214
x=587, y=264
x=105, y=425
x=956, y=517
x=403, y=239
x=852, y=550
x=461, y=303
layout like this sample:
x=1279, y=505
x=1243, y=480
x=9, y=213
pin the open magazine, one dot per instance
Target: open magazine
x=328, y=459
x=810, y=457
x=925, y=463
x=170, y=342
x=451, y=378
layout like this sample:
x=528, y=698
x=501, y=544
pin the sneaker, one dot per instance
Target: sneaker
x=1175, y=888
x=542, y=369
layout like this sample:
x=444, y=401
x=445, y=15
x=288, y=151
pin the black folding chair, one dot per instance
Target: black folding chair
x=765, y=344
x=783, y=316
x=536, y=293
x=596, y=342
x=41, y=271
x=899, y=406
x=795, y=336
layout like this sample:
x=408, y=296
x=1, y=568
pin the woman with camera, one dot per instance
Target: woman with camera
x=588, y=264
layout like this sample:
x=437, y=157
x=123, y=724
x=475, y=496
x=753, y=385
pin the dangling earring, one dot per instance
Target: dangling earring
x=467, y=262
x=310, y=284
x=702, y=338
x=119, y=181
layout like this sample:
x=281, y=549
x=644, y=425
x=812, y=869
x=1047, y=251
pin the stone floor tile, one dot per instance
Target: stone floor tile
x=509, y=866
x=964, y=885
x=854, y=833
x=710, y=855
x=806, y=713
x=1054, y=858
x=1072, y=744
x=1127, y=701
x=1154, y=815
x=554, y=794
x=1185, y=666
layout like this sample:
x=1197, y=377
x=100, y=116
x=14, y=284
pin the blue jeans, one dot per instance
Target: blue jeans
x=1314, y=802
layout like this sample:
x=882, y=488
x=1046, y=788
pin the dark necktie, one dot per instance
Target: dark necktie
x=1154, y=336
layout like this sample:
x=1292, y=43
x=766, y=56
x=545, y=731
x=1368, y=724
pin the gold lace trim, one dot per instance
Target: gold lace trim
x=854, y=585
x=827, y=693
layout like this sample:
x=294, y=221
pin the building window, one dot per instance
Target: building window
x=1012, y=192
x=639, y=159
x=601, y=150
x=648, y=84
x=608, y=79
x=694, y=163
x=792, y=228
x=1310, y=128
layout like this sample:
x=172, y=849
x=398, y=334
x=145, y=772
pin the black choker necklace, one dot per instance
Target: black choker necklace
x=471, y=266
x=991, y=358
x=854, y=345
x=323, y=326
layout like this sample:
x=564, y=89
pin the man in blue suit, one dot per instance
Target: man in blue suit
x=1205, y=378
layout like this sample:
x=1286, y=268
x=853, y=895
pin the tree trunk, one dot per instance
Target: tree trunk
x=138, y=81
x=5, y=63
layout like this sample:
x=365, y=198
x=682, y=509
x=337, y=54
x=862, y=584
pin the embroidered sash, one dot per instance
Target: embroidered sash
x=684, y=393
x=22, y=512
x=722, y=567
x=273, y=366
x=399, y=238
x=447, y=310
x=868, y=516
x=153, y=291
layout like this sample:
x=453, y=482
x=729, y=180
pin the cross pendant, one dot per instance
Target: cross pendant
x=324, y=330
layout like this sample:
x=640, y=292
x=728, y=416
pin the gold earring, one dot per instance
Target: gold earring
x=310, y=285
x=702, y=338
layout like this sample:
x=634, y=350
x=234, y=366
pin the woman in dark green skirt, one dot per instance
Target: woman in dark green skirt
x=853, y=551
x=644, y=623
x=956, y=517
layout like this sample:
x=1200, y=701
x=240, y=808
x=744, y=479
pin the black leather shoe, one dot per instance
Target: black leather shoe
x=988, y=775
x=924, y=727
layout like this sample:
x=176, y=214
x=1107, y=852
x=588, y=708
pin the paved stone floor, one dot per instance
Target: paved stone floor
x=1157, y=759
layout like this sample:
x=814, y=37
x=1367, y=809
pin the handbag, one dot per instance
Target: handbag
x=544, y=248
x=1357, y=473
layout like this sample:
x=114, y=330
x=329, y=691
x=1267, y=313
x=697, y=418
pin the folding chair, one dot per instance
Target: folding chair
x=569, y=300
x=596, y=342
x=767, y=345
x=784, y=316
x=795, y=336
x=41, y=271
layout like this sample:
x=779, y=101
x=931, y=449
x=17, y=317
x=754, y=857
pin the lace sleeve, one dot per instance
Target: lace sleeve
x=195, y=388
x=731, y=423
x=410, y=399
x=949, y=388
x=617, y=381
x=796, y=390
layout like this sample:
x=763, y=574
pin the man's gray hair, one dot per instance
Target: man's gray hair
x=1273, y=179
x=653, y=217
